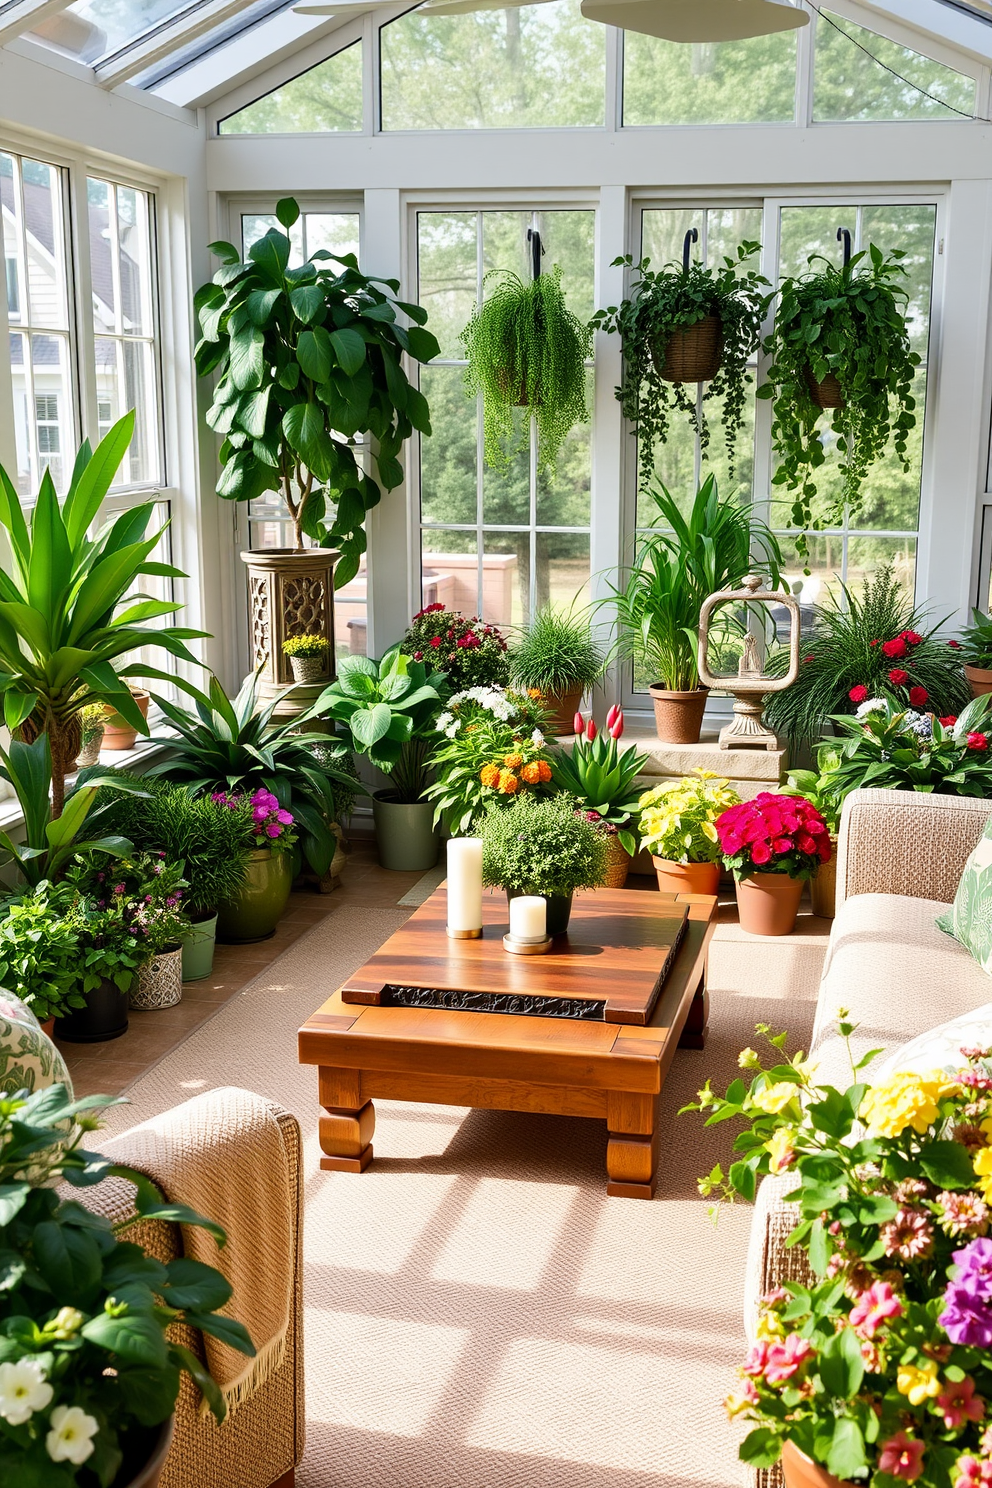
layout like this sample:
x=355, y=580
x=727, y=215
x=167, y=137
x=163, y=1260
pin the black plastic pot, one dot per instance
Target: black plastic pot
x=104, y=1017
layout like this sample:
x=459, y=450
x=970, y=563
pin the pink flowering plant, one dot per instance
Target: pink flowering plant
x=773, y=834
x=266, y=822
x=878, y=1366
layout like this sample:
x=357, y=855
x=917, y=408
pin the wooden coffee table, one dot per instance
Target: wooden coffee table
x=584, y=1065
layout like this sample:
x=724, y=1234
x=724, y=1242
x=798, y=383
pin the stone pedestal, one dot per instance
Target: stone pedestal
x=289, y=594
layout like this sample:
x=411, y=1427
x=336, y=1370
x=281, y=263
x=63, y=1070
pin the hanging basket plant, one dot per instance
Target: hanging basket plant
x=526, y=349
x=680, y=326
x=839, y=342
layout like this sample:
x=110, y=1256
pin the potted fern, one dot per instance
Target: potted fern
x=526, y=349
x=839, y=343
x=686, y=324
x=554, y=660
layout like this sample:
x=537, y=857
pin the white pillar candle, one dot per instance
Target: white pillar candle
x=465, y=886
x=528, y=918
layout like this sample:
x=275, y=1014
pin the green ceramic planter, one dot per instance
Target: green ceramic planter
x=559, y=908
x=260, y=904
x=198, y=950
x=404, y=834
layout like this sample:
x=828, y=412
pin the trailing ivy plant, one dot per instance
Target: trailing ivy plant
x=525, y=346
x=673, y=298
x=850, y=322
x=307, y=359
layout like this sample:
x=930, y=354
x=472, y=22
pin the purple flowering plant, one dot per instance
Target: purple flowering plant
x=267, y=823
x=133, y=909
x=876, y=1364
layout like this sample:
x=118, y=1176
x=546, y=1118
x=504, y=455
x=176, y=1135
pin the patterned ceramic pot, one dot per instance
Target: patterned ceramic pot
x=160, y=982
x=28, y=1058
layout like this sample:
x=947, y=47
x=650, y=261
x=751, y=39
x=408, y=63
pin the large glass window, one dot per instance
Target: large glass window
x=498, y=543
x=326, y=99
x=860, y=75
x=124, y=328
x=532, y=67
x=709, y=82
x=34, y=236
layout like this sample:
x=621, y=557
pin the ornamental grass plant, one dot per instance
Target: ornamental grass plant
x=542, y=847
x=524, y=346
x=678, y=818
x=555, y=653
x=878, y=1364
x=872, y=644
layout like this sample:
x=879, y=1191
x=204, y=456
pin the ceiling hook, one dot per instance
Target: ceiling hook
x=692, y=236
x=844, y=236
x=537, y=250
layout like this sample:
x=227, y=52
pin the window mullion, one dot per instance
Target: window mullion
x=79, y=217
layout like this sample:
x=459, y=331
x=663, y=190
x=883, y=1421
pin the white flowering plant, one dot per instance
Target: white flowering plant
x=491, y=749
x=87, y=1368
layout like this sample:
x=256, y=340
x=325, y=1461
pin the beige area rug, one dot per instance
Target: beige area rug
x=478, y=1313
x=424, y=887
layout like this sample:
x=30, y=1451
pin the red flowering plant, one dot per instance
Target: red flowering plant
x=470, y=652
x=773, y=834
x=895, y=748
x=876, y=1363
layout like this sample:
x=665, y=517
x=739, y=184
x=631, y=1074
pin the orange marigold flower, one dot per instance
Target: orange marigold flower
x=489, y=774
x=513, y=761
x=534, y=692
x=508, y=783
x=543, y=771
x=531, y=773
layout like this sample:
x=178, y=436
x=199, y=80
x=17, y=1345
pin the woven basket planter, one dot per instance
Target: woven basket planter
x=160, y=982
x=617, y=863
x=694, y=353
x=90, y=752
x=825, y=394
x=309, y=668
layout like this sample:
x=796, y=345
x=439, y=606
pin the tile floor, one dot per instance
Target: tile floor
x=109, y=1067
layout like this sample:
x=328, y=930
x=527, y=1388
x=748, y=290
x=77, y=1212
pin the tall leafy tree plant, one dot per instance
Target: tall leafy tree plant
x=306, y=360
x=526, y=348
x=670, y=300
x=70, y=605
x=848, y=324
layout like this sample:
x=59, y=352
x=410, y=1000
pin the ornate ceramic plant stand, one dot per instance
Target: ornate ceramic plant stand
x=749, y=687
x=289, y=594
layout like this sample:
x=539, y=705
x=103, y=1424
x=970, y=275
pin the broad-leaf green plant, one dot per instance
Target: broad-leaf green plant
x=307, y=360
x=892, y=748
x=70, y=608
x=850, y=322
x=388, y=709
x=822, y=787
x=975, y=646
x=524, y=346
x=233, y=746
x=680, y=561
x=673, y=298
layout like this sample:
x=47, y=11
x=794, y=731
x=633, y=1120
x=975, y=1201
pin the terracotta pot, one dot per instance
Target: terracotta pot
x=686, y=878
x=617, y=863
x=144, y=1456
x=117, y=732
x=48, y=1027
x=825, y=394
x=562, y=707
x=801, y=1471
x=978, y=679
x=678, y=716
x=768, y=903
x=823, y=888
x=693, y=353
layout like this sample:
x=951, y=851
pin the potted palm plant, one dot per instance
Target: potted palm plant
x=388, y=709
x=305, y=359
x=839, y=342
x=682, y=560
x=686, y=324
x=544, y=847
x=526, y=349
x=555, y=659
x=70, y=606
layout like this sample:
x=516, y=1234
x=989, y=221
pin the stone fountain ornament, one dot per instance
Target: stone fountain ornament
x=750, y=687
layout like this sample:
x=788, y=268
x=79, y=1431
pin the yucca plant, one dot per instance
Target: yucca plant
x=872, y=644
x=69, y=608
x=232, y=746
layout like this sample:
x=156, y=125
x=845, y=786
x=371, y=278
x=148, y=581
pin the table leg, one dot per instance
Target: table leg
x=632, y=1152
x=347, y=1122
x=694, y=1032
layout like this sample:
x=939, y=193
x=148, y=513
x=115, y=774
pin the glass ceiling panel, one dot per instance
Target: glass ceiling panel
x=118, y=23
x=200, y=46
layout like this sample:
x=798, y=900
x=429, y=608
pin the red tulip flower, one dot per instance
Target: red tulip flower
x=616, y=728
x=578, y=724
x=612, y=715
x=591, y=730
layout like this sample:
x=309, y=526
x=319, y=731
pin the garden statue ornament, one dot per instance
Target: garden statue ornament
x=749, y=687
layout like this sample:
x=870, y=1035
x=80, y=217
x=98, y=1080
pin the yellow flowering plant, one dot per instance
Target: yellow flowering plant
x=678, y=816
x=878, y=1366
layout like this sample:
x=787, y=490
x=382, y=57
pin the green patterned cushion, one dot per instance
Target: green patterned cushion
x=28, y=1058
x=970, y=919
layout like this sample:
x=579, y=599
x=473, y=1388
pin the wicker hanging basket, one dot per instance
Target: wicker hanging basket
x=160, y=982
x=825, y=394
x=693, y=353
x=516, y=389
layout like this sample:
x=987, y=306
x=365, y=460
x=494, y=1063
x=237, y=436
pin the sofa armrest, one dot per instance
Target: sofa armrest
x=906, y=842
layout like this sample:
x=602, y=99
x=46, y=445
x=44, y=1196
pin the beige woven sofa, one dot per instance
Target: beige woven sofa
x=261, y=1443
x=900, y=857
